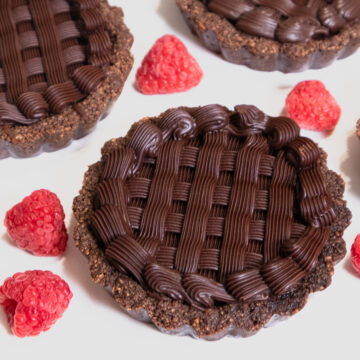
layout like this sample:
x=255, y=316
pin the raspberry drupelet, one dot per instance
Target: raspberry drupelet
x=355, y=254
x=33, y=301
x=168, y=68
x=37, y=224
x=312, y=106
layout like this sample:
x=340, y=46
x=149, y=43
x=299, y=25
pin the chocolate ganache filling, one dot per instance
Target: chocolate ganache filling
x=53, y=53
x=209, y=206
x=288, y=20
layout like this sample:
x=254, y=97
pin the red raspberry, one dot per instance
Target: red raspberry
x=355, y=254
x=168, y=68
x=33, y=301
x=312, y=106
x=37, y=224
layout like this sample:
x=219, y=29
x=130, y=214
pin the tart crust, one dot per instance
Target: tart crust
x=76, y=121
x=258, y=53
x=175, y=317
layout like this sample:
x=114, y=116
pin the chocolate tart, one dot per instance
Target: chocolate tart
x=62, y=65
x=268, y=35
x=211, y=222
x=358, y=128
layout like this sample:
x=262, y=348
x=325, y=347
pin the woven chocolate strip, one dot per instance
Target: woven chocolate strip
x=59, y=6
x=135, y=214
x=280, y=212
x=28, y=40
x=200, y=201
x=181, y=191
x=49, y=41
x=41, y=49
x=21, y=14
x=152, y=228
x=241, y=207
x=287, y=20
x=212, y=216
x=166, y=256
x=189, y=156
x=209, y=259
x=13, y=66
x=174, y=222
x=139, y=187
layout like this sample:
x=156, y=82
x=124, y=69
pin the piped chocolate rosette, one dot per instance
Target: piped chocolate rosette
x=62, y=64
x=221, y=217
x=285, y=35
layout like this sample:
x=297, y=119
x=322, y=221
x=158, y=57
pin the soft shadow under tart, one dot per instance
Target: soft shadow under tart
x=211, y=222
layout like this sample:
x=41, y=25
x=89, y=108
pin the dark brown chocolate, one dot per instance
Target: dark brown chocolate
x=191, y=239
x=286, y=20
x=94, y=63
x=48, y=48
x=138, y=256
x=270, y=35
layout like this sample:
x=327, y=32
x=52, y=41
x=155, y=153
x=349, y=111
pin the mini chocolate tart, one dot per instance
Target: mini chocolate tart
x=358, y=128
x=268, y=35
x=62, y=64
x=210, y=222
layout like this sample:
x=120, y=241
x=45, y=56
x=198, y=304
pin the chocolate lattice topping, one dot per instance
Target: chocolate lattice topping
x=209, y=206
x=288, y=20
x=53, y=53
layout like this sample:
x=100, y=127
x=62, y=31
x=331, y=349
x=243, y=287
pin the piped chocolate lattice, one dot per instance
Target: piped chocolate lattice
x=269, y=35
x=53, y=53
x=288, y=20
x=209, y=206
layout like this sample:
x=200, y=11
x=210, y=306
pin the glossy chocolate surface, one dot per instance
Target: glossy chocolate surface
x=53, y=54
x=209, y=206
x=288, y=20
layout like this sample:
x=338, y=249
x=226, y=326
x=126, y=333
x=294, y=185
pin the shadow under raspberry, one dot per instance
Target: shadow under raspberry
x=3, y=322
x=76, y=268
x=349, y=268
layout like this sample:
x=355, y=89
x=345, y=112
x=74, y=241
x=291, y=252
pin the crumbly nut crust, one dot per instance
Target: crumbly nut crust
x=258, y=53
x=171, y=316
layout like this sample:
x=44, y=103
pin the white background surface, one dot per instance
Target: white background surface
x=93, y=326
